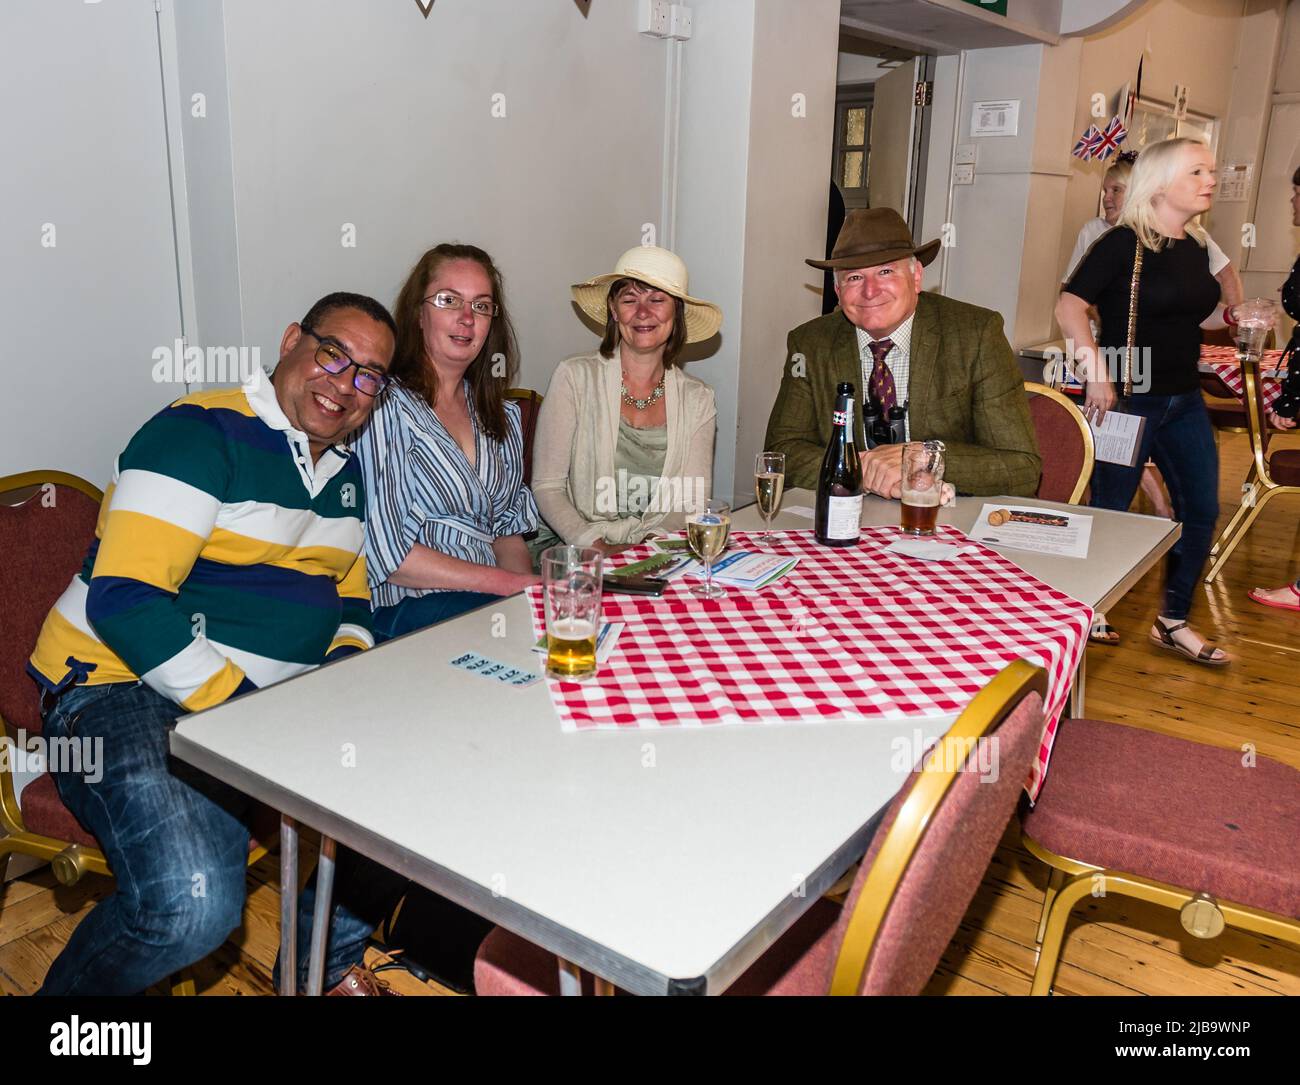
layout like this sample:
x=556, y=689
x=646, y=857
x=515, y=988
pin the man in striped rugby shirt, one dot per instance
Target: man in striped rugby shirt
x=228, y=556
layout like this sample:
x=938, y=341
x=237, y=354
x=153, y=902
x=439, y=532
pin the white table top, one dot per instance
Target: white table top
x=645, y=857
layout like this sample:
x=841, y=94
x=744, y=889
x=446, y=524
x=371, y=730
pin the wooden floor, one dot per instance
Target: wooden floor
x=1124, y=947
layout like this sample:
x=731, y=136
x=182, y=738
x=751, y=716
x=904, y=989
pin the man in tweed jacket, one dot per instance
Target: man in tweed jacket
x=950, y=362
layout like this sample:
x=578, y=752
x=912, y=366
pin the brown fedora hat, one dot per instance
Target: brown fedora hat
x=872, y=237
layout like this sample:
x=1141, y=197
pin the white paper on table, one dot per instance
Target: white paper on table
x=1043, y=531
x=926, y=549
x=1118, y=438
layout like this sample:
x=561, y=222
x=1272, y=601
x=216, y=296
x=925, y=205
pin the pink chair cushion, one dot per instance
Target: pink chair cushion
x=1284, y=467
x=1061, y=446
x=1173, y=811
x=44, y=813
x=44, y=545
x=931, y=898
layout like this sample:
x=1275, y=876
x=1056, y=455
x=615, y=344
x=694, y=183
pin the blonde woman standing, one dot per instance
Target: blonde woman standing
x=624, y=444
x=1172, y=183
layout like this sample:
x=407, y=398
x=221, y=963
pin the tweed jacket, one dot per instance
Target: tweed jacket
x=964, y=389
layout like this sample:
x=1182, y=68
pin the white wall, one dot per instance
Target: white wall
x=371, y=115
x=84, y=143
x=755, y=182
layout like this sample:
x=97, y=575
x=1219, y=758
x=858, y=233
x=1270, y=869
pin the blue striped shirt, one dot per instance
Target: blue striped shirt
x=421, y=489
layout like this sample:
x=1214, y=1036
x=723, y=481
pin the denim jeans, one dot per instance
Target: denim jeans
x=420, y=612
x=1178, y=436
x=175, y=839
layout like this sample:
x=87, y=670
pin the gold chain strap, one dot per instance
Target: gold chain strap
x=1132, y=321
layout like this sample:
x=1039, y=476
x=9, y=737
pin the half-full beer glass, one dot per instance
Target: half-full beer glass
x=922, y=486
x=571, y=586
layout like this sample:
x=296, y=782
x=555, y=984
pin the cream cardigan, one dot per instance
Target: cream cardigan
x=573, y=453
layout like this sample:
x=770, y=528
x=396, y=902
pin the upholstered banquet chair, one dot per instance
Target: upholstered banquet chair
x=1213, y=833
x=1272, y=474
x=44, y=538
x=915, y=883
x=1064, y=442
x=530, y=403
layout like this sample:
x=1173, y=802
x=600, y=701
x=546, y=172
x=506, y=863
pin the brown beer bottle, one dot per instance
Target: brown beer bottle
x=838, y=519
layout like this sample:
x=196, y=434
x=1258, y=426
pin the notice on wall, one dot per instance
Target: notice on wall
x=995, y=118
x=1234, y=182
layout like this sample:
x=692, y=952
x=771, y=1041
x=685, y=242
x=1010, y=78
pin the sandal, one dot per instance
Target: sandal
x=1104, y=633
x=1163, y=637
x=1254, y=596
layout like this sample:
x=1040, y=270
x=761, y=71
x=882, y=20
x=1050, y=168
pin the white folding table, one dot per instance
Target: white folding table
x=661, y=861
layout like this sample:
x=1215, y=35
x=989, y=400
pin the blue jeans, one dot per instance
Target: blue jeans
x=1178, y=436
x=175, y=839
x=420, y=612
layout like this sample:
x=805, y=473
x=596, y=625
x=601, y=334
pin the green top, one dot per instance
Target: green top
x=641, y=453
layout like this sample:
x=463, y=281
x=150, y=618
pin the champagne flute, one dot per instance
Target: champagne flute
x=769, y=482
x=706, y=532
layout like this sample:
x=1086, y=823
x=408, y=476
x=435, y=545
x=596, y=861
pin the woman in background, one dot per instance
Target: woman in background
x=1171, y=185
x=625, y=438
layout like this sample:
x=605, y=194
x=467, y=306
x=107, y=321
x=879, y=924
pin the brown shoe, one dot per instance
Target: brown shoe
x=360, y=982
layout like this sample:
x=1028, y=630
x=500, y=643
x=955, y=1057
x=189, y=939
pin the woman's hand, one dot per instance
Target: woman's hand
x=1099, y=397
x=1278, y=422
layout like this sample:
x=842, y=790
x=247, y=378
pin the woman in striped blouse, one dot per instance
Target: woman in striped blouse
x=443, y=452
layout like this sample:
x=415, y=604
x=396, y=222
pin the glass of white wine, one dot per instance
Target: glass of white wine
x=706, y=531
x=769, y=482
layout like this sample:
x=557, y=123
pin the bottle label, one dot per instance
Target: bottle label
x=844, y=517
x=840, y=418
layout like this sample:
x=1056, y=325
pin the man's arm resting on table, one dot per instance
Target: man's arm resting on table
x=792, y=426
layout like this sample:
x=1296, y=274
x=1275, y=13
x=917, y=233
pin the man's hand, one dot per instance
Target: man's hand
x=882, y=471
x=1098, y=398
x=1278, y=422
x=610, y=549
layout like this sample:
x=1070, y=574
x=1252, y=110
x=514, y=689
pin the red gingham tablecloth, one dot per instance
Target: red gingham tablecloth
x=1223, y=360
x=850, y=634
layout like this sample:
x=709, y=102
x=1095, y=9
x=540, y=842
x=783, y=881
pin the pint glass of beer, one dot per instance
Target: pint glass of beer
x=571, y=586
x=922, y=486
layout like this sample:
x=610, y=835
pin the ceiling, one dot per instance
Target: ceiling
x=938, y=26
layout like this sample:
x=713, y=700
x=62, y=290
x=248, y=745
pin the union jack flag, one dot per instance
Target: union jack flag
x=1084, y=148
x=1111, y=138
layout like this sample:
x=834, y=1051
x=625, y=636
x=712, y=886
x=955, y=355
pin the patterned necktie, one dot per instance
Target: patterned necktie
x=882, y=377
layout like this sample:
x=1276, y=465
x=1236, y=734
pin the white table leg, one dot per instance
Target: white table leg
x=288, y=905
x=570, y=977
x=321, y=917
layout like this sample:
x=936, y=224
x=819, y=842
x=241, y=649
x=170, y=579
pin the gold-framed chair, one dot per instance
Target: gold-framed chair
x=915, y=883
x=1065, y=443
x=1194, y=828
x=47, y=521
x=1271, y=474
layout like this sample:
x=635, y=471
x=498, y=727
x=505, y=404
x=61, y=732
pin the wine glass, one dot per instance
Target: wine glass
x=769, y=482
x=706, y=531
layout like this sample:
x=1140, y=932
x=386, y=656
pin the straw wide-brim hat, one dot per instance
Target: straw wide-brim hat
x=872, y=237
x=664, y=271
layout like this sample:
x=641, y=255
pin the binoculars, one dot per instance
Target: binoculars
x=884, y=429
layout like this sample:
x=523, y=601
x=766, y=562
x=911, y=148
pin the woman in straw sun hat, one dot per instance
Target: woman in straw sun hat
x=624, y=444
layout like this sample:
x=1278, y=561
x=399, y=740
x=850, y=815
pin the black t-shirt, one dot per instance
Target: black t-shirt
x=1175, y=293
